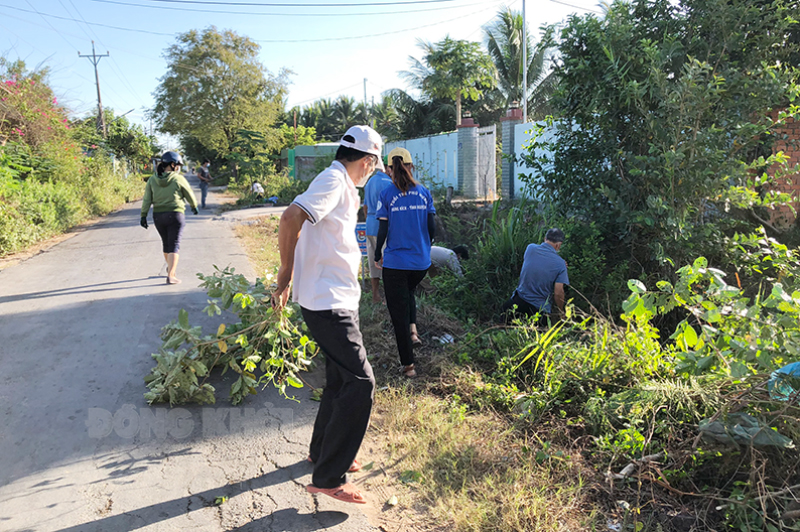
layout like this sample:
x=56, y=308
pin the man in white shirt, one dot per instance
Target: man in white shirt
x=323, y=258
x=443, y=258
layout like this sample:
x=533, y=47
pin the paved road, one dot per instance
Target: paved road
x=80, y=450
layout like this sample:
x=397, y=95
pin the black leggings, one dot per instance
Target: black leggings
x=170, y=226
x=400, y=286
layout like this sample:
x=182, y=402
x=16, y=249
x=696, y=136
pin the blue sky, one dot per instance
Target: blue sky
x=330, y=49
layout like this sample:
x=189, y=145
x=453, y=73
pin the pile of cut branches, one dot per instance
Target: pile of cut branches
x=264, y=347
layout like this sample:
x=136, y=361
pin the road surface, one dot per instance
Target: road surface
x=80, y=450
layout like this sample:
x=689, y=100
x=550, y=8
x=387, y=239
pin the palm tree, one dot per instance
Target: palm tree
x=504, y=40
x=418, y=118
x=385, y=117
x=452, y=70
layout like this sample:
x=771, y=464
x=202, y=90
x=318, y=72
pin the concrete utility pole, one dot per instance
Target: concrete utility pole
x=95, y=59
x=365, y=98
x=524, y=66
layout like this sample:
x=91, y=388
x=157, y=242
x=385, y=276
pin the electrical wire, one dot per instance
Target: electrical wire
x=115, y=66
x=270, y=4
x=89, y=23
x=257, y=13
x=62, y=34
x=382, y=34
x=576, y=7
x=270, y=41
x=47, y=22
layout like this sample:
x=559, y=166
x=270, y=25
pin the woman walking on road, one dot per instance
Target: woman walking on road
x=167, y=192
x=406, y=217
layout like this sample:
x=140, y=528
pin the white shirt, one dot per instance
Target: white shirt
x=446, y=258
x=327, y=257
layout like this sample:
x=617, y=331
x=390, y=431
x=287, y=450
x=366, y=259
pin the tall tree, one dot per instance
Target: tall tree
x=452, y=69
x=506, y=38
x=665, y=110
x=214, y=87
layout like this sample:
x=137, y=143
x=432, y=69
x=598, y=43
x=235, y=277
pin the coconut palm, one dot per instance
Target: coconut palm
x=504, y=41
x=418, y=118
x=452, y=70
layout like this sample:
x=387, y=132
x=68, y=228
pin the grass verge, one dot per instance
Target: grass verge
x=450, y=466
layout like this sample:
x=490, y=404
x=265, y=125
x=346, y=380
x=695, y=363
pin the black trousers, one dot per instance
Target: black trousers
x=399, y=286
x=523, y=308
x=170, y=228
x=344, y=411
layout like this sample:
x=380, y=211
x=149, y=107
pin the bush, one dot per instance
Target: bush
x=492, y=272
x=637, y=389
x=47, y=184
x=31, y=210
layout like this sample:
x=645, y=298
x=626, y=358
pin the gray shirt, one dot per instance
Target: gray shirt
x=541, y=269
x=446, y=258
x=203, y=173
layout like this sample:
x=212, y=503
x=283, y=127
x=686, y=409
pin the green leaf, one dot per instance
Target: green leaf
x=636, y=286
x=690, y=336
x=183, y=319
x=294, y=381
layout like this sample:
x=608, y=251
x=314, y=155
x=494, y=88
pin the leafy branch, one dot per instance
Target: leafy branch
x=264, y=347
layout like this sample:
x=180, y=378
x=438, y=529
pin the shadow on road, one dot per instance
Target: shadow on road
x=163, y=511
x=89, y=288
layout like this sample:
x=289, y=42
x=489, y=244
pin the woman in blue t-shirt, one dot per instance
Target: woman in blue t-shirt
x=405, y=213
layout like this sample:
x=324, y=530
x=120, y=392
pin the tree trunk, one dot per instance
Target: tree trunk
x=458, y=109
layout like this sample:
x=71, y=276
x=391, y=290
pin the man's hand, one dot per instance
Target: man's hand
x=281, y=294
x=379, y=263
x=194, y=210
x=280, y=298
x=143, y=222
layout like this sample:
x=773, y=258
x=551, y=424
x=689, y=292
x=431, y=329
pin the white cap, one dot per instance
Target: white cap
x=365, y=139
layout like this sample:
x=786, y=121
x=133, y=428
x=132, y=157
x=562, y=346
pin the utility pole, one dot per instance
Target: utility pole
x=95, y=59
x=524, y=66
x=365, y=99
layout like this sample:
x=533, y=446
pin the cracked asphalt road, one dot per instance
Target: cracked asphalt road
x=80, y=449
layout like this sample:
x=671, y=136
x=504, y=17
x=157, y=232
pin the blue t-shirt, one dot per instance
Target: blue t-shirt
x=408, y=244
x=372, y=194
x=541, y=269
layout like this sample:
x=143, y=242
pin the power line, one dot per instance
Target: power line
x=306, y=14
x=270, y=41
x=118, y=70
x=61, y=34
x=89, y=23
x=46, y=21
x=261, y=4
x=576, y=7
x=382, y=34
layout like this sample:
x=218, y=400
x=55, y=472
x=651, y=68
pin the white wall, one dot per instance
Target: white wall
x=436, y=158
x=523, y=134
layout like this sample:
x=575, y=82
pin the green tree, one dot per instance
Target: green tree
x=214, y=87
x=452, y=69
x=667, y=113
x=504, y=41
x=300, y=136
x=420, y=117
x=124, y=139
